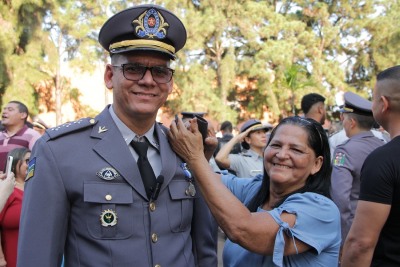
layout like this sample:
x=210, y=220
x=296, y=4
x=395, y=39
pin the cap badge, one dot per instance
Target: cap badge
x=108, y=218
x=151, y=24
x=107, y=174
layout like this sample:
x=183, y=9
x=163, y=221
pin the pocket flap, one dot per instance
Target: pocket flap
x=108, y=193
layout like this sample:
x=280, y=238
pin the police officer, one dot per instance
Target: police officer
x=249, y=162
x=357, y=119
x=91, y=194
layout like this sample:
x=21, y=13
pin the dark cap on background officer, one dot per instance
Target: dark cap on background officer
x=144, y=27
x=353, y=103
x=191, y=115
x=255, y=125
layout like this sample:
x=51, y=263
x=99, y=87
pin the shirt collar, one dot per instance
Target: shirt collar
x=128, y=134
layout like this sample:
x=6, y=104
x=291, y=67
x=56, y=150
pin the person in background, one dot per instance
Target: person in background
x=6, y=188
x=249, y=162
x=374, y=237
x=39, y=126
x=119, y=194
x=11, y=213
x=313, y=106
x=349, y=157
x=226, y=131
x=283, y=217
x=16, y=133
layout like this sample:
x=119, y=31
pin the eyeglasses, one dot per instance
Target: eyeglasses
x=136, y=72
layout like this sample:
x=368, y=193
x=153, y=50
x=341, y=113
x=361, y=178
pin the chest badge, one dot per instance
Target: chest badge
x=108, y=174
x=108, y=218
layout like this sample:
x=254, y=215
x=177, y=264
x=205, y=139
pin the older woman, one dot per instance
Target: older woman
x=281, y=218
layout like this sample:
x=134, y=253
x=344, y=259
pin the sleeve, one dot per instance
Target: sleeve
x=317, y=223
x=240, y=187
x=377, y=174
x=45, y=210
x=235, y=162
x=341, y=184
x=204, y=234
x=35, y=137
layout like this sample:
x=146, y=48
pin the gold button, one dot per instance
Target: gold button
x=157, y=265
x=92, y=121
x=108, y=197
x=152, y=206
x=154, y=238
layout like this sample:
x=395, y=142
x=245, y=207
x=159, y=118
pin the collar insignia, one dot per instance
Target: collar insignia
x=108, y=218
x=107, y=174
x=102, y=129
x=151, y=24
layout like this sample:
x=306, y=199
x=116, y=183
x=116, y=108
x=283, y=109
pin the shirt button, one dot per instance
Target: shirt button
x=108, y=197
x=152, y=206
x=154, y=238
x=157, y=265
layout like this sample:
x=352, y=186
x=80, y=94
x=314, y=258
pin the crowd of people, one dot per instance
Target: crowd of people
x=122, y=189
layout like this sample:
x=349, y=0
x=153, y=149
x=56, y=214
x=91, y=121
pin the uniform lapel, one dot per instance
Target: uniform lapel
x=113, y=149
x=168, y=156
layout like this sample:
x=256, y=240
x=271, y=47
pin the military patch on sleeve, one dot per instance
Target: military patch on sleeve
x=339, y=159
x=31, y=169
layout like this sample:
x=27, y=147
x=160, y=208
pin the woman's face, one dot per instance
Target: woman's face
x=289, y=160
x=23, y=166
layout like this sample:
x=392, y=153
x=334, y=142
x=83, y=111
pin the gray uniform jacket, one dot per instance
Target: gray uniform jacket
x=347, y=163
x=66, y=202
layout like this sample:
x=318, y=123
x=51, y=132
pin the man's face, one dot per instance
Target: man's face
x=12, y=116
x=142, y=98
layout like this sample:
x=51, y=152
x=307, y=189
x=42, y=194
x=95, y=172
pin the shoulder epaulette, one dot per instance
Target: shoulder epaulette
x=70, y=127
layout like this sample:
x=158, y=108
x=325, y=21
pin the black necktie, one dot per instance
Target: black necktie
x=146, y=171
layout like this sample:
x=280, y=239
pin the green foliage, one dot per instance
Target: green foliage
x=241, y=58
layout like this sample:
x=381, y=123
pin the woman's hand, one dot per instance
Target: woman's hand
x=6, y=188
x=186, y=141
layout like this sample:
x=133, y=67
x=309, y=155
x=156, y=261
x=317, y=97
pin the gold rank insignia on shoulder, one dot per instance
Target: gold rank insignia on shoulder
x=108, y=218
x=108, y=174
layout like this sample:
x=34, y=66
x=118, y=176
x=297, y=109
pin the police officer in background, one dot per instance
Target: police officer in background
x=91, y=193
x=357, y=119
x=250, y=161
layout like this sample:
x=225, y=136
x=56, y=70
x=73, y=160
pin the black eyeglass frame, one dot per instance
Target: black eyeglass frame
x=145, y=69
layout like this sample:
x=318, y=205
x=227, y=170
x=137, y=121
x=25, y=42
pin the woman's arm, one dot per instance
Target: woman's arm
x=253, y=231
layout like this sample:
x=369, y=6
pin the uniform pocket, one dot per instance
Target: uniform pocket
x=109, y=204
x=180, y=209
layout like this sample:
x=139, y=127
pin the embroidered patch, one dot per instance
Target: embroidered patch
x=31, y=169
x=151, y=24
x=340, y=159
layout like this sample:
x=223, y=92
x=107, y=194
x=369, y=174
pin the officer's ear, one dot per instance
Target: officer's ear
x=108, y=74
